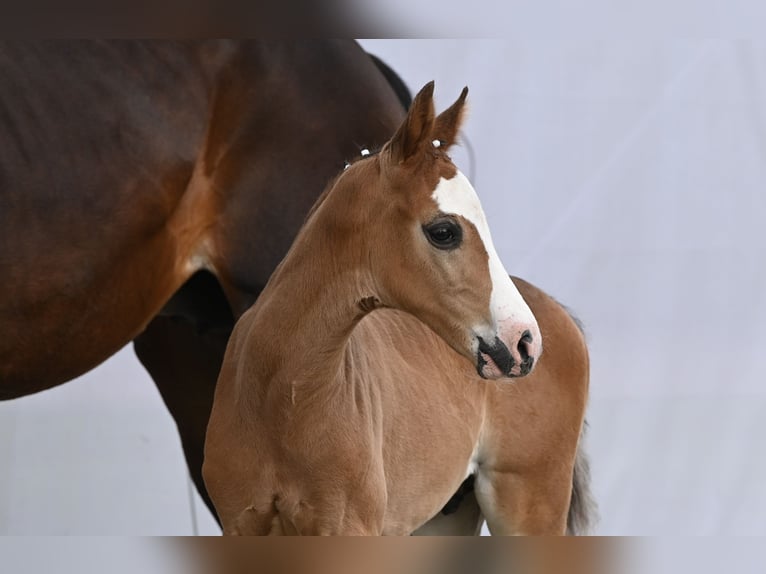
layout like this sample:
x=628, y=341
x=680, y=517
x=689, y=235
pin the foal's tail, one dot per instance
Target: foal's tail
x=583, y=511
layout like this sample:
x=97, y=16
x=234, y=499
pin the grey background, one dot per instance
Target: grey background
x=626, y=178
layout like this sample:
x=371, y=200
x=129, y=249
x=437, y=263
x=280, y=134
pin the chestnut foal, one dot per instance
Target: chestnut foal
x=351, y=399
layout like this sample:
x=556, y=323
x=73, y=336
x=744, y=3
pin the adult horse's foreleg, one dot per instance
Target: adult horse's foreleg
x=466, y=520
x=184, y=365
x=182, y=350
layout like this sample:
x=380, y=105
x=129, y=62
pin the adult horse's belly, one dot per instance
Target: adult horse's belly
x=76, y=297
x=98, y=143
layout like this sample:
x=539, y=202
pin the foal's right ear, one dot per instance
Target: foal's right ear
x=416, y=129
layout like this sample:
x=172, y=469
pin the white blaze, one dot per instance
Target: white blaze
x=457, y=196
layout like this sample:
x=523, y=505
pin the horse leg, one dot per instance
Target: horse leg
x=182, y=349
x=184, y=366
x=530, y=503
x=465, y=521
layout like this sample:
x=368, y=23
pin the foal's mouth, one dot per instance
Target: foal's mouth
x=494, y=360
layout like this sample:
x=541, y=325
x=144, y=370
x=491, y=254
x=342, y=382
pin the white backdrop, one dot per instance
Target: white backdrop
x=626, y=179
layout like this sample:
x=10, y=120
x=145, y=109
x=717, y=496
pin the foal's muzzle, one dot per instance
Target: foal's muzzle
x=494, y=359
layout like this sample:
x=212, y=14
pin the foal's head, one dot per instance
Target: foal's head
x=429, y=246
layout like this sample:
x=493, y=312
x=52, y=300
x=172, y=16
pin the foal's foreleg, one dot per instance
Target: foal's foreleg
x=530, y=503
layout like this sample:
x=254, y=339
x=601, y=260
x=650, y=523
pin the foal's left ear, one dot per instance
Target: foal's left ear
x=417, y=126
x=447, y=124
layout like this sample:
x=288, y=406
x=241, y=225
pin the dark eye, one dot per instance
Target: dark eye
x=444, y=234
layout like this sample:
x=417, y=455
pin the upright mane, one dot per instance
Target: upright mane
x=331, y=183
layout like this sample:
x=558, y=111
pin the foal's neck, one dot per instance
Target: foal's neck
x=304, y=317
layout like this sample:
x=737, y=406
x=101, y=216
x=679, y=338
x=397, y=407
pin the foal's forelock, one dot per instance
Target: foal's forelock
x=457, y=196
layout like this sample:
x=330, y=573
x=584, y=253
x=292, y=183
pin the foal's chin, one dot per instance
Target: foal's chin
x=496, y=358
x=487, y=369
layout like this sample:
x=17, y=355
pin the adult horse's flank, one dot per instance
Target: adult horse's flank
x=352, y=397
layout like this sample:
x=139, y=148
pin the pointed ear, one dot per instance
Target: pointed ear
x=416, y=129
x=447, y=125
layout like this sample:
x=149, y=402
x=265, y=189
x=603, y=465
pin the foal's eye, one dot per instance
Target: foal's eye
x=444, y=234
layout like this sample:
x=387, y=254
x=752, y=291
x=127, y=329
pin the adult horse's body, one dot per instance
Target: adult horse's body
x=130, y=172
x=125, y=168
x=350, y=400
x=148, y=191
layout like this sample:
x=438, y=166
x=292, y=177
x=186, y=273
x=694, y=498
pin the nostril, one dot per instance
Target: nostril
x=526, y=366
x=524, y=343
x=526, y=337
x=499, y=353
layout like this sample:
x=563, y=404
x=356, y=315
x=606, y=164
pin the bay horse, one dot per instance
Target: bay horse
x=371, y=377
x=145, y=196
